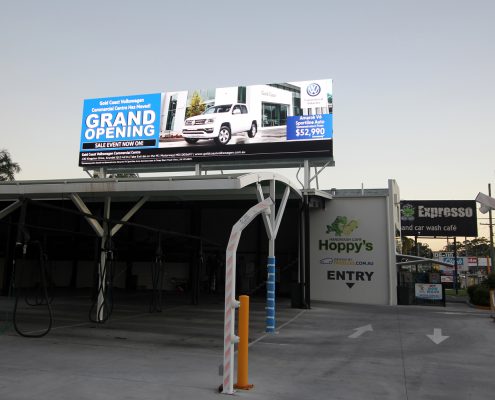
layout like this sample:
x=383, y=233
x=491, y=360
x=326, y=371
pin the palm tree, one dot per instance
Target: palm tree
x=7, y=167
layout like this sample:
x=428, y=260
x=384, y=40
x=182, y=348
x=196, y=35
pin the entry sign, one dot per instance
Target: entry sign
x=439, y=218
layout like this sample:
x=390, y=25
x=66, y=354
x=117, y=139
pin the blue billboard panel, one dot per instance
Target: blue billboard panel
x=126, y=122
x=309, y=127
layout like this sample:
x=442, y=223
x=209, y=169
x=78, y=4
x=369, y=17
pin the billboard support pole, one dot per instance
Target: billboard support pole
x=316, y=178
x=307, y=172
x=307, y=269
x=307, y=257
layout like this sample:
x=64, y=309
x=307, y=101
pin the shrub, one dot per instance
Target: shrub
x=481, y=295
x=470, y=290
x=490, y=280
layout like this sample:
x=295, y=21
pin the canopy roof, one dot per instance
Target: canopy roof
x=174, y=188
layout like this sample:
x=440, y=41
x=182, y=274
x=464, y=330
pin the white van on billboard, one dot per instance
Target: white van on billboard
x=220, y=123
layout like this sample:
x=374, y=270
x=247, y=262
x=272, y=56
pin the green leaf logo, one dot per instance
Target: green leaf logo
x=407, y=212
x=341, y=226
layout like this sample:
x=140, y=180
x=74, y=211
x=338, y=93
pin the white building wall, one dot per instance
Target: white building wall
x=353, y=251
x=394, y=236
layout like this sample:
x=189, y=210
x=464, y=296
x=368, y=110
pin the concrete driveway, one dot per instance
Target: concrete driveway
x=332, y=351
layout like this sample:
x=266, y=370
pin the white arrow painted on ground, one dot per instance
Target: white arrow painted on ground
x=360, y=331
x=437, y=336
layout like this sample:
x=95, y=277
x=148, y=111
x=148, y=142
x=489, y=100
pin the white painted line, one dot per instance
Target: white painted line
x=279, y=328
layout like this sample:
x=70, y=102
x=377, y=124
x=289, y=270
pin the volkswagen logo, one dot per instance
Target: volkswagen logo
x=313, y=89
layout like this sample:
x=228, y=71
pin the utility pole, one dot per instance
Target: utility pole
x=456, y=286
x=490, y=269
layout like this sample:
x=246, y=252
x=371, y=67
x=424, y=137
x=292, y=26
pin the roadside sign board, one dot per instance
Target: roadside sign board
x=439, y=218
x=428, y=291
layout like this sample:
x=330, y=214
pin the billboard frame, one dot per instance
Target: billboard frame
x=214, y=166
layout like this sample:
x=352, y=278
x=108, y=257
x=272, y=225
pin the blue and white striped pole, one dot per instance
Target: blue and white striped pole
x=270, y=280
x=270, y=296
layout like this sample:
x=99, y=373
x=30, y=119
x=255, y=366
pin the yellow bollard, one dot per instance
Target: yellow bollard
x=242, y=354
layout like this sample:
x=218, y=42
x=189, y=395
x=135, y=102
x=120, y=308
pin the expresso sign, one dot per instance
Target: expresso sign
x=439, y=218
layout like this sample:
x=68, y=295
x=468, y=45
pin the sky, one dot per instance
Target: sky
x=413, y=81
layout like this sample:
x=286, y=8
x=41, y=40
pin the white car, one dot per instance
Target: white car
x=220, y=123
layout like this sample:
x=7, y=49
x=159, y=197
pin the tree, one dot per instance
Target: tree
x=8, y=168
x=197, y=106
x=477, y=247
x=407, y=245
x=409, y=248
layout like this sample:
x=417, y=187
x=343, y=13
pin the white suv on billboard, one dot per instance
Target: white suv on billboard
x=220, y=123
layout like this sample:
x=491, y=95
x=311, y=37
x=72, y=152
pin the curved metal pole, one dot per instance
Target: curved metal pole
x=229, y=338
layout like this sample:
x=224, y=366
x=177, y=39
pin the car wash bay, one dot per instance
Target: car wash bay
x=168, y=244
x=142, y=353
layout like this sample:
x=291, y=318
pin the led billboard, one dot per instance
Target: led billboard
x=230, y=126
